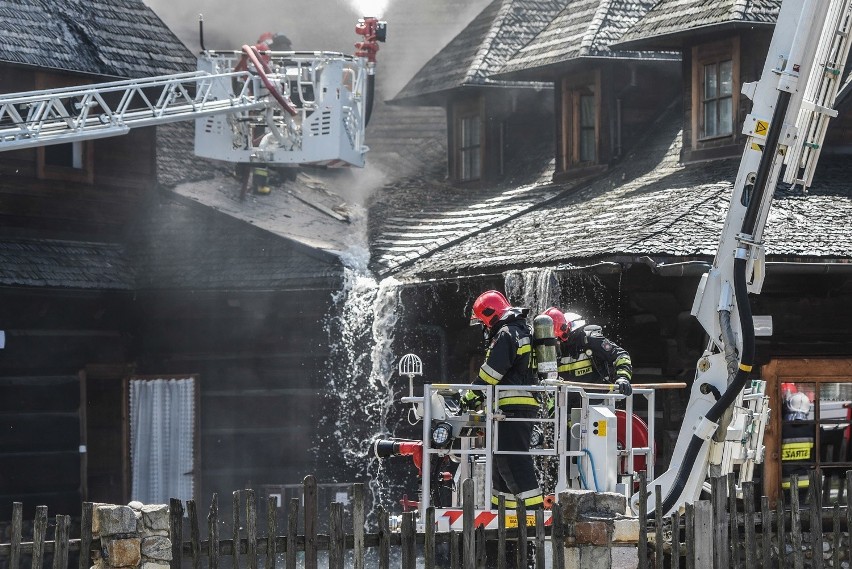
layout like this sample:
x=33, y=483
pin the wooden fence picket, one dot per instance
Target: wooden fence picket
x=251, y=529
x=705, y=545
x=194, y=534
x=39, y=532
x=384, y=539
x=85, y=560
x=408, y=537
x=501, y=532
x=235, y=529
x=689, y=538
x=539, y=538
x=815, y=507
x=675, y=564
x=176, y=532
x=337, y=537
x=643, y=521
x=781, y=523
x=455, y=558
x=835, y=528
x=750, y=535
x=658, y=527
x=558, y=538
x=359, y=522
x=766, y=531
x=17, y=527
x=468, y=545
x=311, y=510
x=523, y=554
x=429, y=539
x=721, y=544
x=732, y=520
x=292, y=531
x=479, y=536
x=213, y=533
x=796, y=523
x=271, y=527
x=60, y=542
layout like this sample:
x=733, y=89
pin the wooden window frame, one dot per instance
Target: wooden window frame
x=815, y=371
x=46, y=171
x=573, y=90
x=462, y=112
x=709, y=54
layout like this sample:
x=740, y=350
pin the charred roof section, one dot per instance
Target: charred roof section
x=670, y=21
x=480, y=49
x=585, y=29
x=117, y=38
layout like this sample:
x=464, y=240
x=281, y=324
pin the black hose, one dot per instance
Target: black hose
x=747, y=327
x=201, y=31
x=371, y=91
x=743, y=306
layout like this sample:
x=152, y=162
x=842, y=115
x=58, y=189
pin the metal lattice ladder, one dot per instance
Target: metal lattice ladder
x=819, y=97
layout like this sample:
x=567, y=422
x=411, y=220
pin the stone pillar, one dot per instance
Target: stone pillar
x=598, y=532
x=135, y=536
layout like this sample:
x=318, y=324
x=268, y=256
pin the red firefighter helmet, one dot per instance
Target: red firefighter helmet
x=489, y=307
x=561, y=328
x=564, y=322
x=266, y=38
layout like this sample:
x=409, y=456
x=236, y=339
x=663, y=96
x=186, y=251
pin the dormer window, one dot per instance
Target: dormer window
x=467, y=141
x=580, y=139
x=715, y=98
x=718, y=100
x=470, y=165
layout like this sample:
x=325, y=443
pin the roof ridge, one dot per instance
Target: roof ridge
x=595, y=27
x=739, y=9
x=488, y=41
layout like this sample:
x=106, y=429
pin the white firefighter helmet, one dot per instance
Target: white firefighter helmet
x=799, y=403
x=574, y=320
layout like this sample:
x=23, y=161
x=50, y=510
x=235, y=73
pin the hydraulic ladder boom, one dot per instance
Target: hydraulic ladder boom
x=288, y=108
x=799, y=82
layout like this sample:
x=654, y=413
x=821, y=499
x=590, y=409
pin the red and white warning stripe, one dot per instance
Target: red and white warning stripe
x=451, y=518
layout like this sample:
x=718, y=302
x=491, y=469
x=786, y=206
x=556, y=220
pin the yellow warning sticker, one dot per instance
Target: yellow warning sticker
x=512, y=521
x=602, y=429
x=761, y=128
x=755, y=146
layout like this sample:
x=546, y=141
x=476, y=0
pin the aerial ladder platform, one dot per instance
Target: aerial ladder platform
x=283, y=108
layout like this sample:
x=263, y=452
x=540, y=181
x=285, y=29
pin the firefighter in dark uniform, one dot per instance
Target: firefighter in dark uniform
x=797, y=441
x=508, y=361
x=587, y=356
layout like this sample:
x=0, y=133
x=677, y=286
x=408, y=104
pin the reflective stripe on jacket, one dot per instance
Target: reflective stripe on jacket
x=509, y=361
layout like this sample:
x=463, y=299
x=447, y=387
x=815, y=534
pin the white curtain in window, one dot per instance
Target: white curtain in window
x=162, y=420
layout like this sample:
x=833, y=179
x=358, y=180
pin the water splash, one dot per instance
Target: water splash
x=536, y=289
x=375, y=8
x=361, y=390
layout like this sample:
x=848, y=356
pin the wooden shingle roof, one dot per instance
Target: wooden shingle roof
x=585, y=28
x=481, y=49
x=667, y=22
x=65, y=264
x=119, y=38
x=651, y=205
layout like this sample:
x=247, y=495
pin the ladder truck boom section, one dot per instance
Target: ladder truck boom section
x=282, y=108
x=791, y=105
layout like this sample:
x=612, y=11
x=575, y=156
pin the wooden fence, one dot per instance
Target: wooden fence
x=721, y=532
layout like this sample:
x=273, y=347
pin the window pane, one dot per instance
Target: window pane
x=587, y=111
x=470, y=132
x=726, y=123
x=710, y=81
x=587, y=145
x=726, y=77
x=710, y=118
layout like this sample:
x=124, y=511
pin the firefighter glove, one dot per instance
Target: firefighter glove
x=623, y=386
x=471, y=400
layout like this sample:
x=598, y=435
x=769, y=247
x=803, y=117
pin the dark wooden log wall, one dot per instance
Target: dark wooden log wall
x=260, y=358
